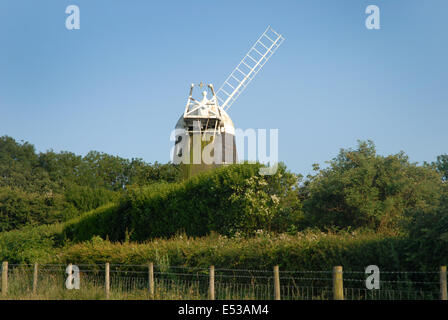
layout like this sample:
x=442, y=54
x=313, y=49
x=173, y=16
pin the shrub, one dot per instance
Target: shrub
x=227, y=200
x=309, y=250
x=30, y=244
x=428, y=234
x=19, y=208
x=84, y=199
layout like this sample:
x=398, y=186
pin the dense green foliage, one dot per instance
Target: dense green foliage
x=31, y=244
x=428, y=234
x=363, y=189
x=310, y=250
x=42, y=188
x=441, y=165
x=229, y=200
x=392, y=213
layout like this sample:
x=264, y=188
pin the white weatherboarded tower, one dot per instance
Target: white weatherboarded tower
x=205, y=134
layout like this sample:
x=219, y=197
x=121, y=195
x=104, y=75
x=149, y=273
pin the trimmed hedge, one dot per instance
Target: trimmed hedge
x=304, y=251
x=228, y=200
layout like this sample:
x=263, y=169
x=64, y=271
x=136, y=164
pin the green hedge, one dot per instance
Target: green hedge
x=228, y=200
x=31, y=244
x=304, y=251
x=40, y=243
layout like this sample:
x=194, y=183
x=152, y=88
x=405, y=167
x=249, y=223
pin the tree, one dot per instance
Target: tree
x=428, y=235
x=39, y=188
x=442, y=166
x=363, y=189
x=19, y=208
x=19, y=167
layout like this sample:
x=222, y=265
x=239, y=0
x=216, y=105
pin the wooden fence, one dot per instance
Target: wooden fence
x=337, y=279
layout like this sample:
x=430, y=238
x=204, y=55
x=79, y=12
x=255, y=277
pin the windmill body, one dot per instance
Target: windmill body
x=205, y=134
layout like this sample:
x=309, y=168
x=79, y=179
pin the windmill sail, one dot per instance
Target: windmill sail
x=249, y=66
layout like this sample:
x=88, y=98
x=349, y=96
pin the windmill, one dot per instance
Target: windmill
x=205, y=134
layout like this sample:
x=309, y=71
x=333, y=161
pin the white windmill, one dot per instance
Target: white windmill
x=205, y=128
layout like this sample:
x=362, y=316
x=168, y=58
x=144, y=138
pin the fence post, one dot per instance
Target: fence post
x=4, y=278
x=338, y=288
x=107, y=280
x=276, y=283
x=443, y=289
x=151, y=279
x=35, y=273
x=212, y=283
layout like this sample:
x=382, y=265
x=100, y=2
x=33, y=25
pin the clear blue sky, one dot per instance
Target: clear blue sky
x=119, y=84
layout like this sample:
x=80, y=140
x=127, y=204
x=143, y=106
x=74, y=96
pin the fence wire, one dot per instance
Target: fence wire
x=180, y=282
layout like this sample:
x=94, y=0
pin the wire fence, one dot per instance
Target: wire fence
x=119, y=281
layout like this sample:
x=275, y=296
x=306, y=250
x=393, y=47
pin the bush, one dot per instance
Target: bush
x=19, y=208
x=308, y=250
x=85, y=199
x=30, y=244
x=428, y=235
x=228, y=200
